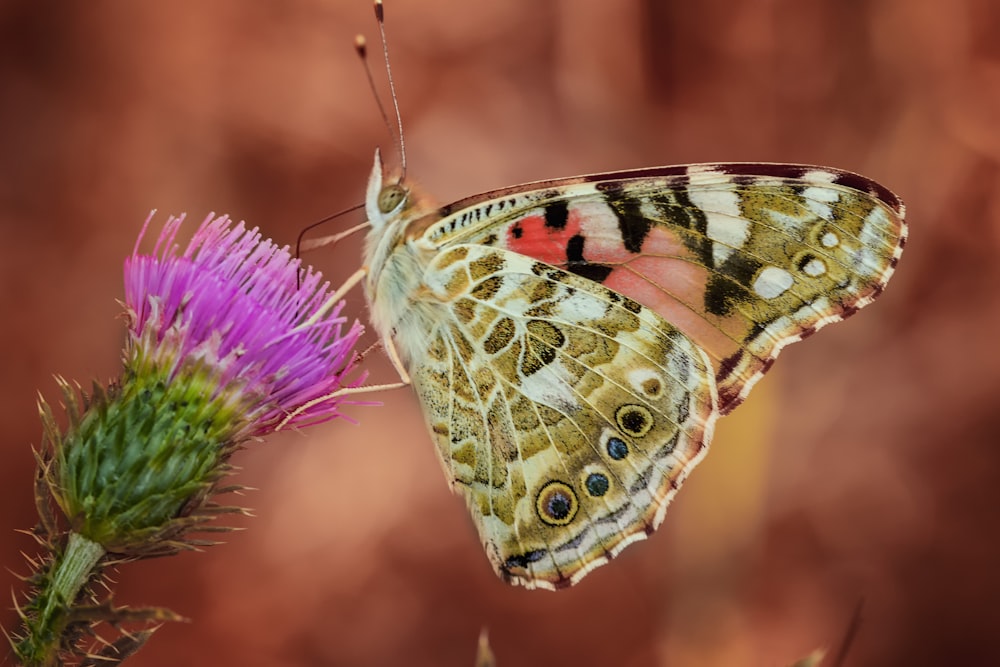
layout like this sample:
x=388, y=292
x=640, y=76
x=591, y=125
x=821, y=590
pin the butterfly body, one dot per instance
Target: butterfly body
x=572, y=342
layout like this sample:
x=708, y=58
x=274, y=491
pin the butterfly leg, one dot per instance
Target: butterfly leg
x=397, y=363
x=335, y=298
x=346, y=391
x=313, y=244
x=390, y=348
x=404, y=378
x=404, y=381
x=359, y=357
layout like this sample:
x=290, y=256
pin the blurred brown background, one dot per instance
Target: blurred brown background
x=865, y=466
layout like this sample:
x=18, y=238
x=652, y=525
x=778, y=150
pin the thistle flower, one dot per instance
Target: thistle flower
x=233, y=304
x=225, y=343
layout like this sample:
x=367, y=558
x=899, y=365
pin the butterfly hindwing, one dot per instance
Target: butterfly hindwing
x=565, y=414
x=744, y=258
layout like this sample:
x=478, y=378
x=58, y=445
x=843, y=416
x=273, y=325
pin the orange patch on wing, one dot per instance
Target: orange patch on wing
x=530, y=236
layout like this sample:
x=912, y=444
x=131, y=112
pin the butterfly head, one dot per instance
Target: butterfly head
x=386, y=198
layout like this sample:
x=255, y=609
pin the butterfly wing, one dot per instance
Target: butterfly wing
x=566, y=414
x=573, y=341
x=743, y=258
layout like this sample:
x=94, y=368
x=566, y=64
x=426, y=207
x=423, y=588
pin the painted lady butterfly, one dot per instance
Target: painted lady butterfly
x=573, y=341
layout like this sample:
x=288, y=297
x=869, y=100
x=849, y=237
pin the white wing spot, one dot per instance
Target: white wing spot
x=868, y=260
x=819, y=176
x=551, y=387
x=819, y=209
x=646, y=382
x=829, y=240
x=721, y=206
x=875, y=224
x=580, y=306
x=828, y=195
x=785, y=221
x=815, y=267
x=818, y=201
x=772, y=282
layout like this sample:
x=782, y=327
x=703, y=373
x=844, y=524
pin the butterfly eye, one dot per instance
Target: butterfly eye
x=391, y=197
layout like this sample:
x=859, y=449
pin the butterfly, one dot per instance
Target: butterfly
x=572, y=342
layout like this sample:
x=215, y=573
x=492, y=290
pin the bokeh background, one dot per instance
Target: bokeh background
x=865, y=467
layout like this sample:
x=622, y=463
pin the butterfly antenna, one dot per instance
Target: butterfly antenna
x=380, y=18
x=361, y=48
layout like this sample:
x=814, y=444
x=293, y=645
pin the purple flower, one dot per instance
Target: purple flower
x=225, y=343
x=233, y=304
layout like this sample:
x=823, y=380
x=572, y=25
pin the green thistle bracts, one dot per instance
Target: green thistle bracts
x=132, y=473
x=129, y=472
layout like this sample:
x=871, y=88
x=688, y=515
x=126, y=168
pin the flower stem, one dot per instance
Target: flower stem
x=74, y=569
x=55, y=598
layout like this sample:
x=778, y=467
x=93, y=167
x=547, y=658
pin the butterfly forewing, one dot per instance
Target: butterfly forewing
x=572, y=342
x=744, y=258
